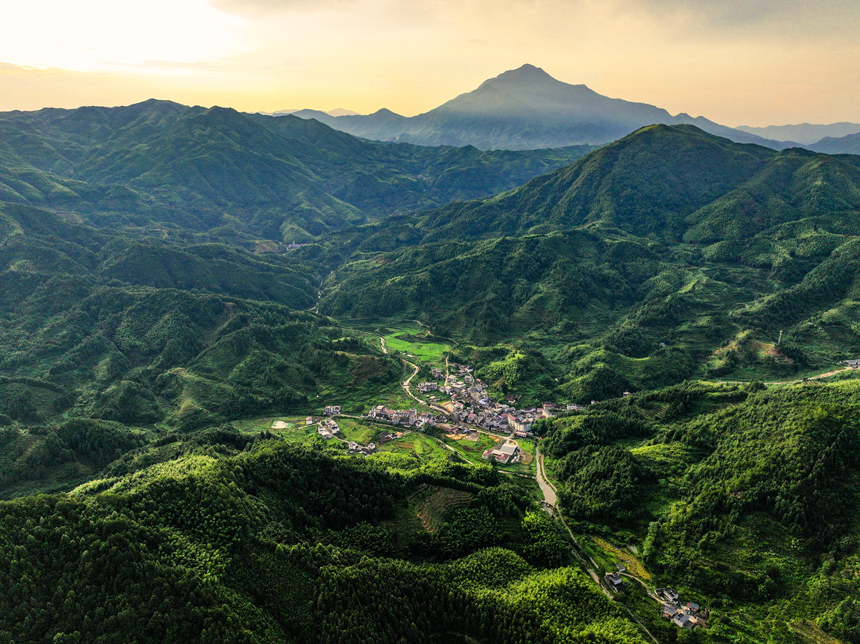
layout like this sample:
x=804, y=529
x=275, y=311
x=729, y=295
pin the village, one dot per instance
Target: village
x=470, y=410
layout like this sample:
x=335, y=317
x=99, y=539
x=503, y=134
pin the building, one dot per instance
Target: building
x=334, y=410
x=615, y=582
x=520, y=424
x=854, y=364
x=683, y=621
x=507, y=453
x=309, y=420
x=436, y=373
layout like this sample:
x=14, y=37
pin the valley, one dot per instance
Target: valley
x=263, y=381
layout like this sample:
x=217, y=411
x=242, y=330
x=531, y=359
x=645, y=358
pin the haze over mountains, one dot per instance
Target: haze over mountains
x=522, y=109
x=165, y=164
x=805, y=133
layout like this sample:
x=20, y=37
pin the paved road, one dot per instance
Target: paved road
x=549, y=492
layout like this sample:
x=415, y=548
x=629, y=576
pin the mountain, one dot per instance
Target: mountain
x=522, y=109
x=238, y=176
x=143, y=331
x=233, y=537
x=804, y=134
x=669, y=254
x=849, y=144
x=155, y=377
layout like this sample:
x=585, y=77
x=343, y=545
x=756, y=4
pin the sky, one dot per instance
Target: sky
x=737, y=62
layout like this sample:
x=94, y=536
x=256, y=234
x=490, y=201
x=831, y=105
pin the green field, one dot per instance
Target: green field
x=359, y=431
x=414, y=341
x=416, y=448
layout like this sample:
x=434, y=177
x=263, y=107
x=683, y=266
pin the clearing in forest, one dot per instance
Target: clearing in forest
x=434, y=504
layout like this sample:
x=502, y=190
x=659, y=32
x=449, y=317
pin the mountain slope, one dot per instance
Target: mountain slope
x=522, y=109
x=248, y=176
x=667, y=254
x=140, y=330
x=849, y=144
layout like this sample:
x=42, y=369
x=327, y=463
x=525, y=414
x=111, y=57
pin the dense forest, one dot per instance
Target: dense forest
x=279, y=544
x=744, y=495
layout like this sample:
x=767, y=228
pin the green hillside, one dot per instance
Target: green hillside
x=160, y=164
x=742, y=497
x=153, y=333
x=290, y=544
x=669, y=254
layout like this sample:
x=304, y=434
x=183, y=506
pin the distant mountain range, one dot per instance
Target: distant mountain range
x=805, y=133
x=238, y=176
x=522, y=109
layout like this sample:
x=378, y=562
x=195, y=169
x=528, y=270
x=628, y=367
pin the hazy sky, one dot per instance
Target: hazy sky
x=735, y=61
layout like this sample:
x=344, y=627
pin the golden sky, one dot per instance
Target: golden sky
x=738, y=62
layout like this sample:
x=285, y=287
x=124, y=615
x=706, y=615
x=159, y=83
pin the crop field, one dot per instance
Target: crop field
x=357, y=430
x=422, y=448
x=628, y=559
x=432, y=504
x=274, y=424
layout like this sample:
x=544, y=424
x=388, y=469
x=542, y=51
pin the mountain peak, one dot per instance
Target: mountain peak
x=525, y=73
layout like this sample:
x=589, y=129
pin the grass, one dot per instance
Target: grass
x=254, y=425
x=358, y=431
x=417, y=446
x=415, y=342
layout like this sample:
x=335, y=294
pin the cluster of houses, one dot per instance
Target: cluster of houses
x=681, y=614
x=328, y=428
x=404, y=417
x=358, y=448
x=472, y=404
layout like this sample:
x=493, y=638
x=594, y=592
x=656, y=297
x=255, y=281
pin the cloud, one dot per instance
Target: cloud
x=10, y=68
x=816, y=18
x=478, y=41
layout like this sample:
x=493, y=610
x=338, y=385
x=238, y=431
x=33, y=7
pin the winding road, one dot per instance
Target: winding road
x=549, y=491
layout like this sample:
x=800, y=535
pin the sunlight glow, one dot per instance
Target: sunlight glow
x=92, y=35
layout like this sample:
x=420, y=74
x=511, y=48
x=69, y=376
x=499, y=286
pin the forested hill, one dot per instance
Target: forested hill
x=745, y=496
x=141, y=331
x=672, y=183
x=668, y=254
x=291, y=545
x=160, y=164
